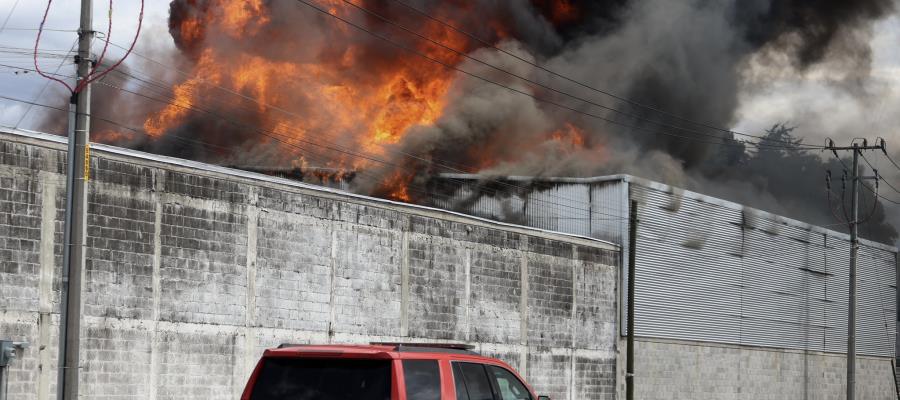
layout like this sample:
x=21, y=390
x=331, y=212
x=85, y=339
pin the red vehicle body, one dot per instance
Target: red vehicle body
x=383, y=372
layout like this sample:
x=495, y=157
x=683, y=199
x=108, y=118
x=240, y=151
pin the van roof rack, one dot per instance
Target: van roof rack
x=285, y=345
x=456, y=348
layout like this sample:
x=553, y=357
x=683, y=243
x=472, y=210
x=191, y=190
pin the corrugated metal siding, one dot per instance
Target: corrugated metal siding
x=609, y=211
x=563, y=207
x=877, y=296
x=688, y=275
x=712, y=273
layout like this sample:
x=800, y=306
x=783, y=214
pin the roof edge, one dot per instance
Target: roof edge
x=60, y=141
x=685, y=193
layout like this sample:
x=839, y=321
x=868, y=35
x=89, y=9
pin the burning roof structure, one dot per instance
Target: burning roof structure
x=397, y=91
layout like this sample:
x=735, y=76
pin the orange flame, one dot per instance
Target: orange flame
x=333, y=103
x=570, y=135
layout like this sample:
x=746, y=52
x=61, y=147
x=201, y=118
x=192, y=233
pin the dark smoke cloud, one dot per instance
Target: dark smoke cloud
x=690, y=58
x=814, y=24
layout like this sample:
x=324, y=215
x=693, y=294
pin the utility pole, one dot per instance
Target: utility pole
x=78, y=163
x=854, y=253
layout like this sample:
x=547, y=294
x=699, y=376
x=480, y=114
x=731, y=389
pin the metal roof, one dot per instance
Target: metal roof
x=683, y=193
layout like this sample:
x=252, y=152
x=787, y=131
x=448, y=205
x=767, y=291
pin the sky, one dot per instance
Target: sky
x=822, y=108
x=817, y=101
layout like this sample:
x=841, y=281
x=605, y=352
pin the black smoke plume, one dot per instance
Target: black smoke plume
x=689, y=58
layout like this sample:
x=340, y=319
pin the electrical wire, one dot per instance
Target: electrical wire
x=896, y=202
x=46, y=85
x=579, y=83
x=351, y=153
x=540, y=99
x=547, y=87
x=45, y=30
x=888, y=156
x=109, y=121
x=137, y=34
x=431, y=161
x=892, y=161
x=91, y=76
x=879, y=177
x=747, y=254
x=332, y=147
x=136, y=130
x=878, y=195
x=142, y=132
x=828, y=193
x=8, y=16
x=99, y=61
x=37, y=43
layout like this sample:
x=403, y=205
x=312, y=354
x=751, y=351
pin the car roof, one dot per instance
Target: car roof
x=383, y=351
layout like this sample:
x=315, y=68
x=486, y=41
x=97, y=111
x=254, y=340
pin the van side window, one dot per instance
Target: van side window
x=476, y=382
x=423, y=379
x=304, y=378
x=460, y=383
x=510, y=387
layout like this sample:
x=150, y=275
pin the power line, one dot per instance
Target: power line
x=896, y=202
x=8, y=16
x=90, y=77
x=137, y=33
x=46, y=85
x=45, y=30
x=812, y=246
x=306, y=152
x=329, y=146
x=867, y=188
x=881, y=178
x=109, y=121
x=431, y=161
x=572, y=80
x=543, y=100
x=102, y=52
x=888, y=156
x=541, y=85
x=336, y=148
x=37, y=43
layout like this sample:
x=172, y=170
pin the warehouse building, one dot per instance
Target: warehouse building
x=193, y=269
x=728, y=299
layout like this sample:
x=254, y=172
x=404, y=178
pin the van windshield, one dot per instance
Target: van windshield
x=323, y=379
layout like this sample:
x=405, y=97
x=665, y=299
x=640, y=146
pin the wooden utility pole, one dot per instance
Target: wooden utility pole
x=77, y=175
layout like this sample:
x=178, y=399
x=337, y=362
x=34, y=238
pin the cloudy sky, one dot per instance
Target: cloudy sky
x=818, y=101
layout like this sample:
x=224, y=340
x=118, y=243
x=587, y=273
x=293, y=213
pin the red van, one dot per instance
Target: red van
x=383, y=371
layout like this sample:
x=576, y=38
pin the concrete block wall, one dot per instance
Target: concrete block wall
x=193, y=270
x=673, y=370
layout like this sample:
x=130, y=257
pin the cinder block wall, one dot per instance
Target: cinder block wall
x=193, y=270
x=679, y=370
